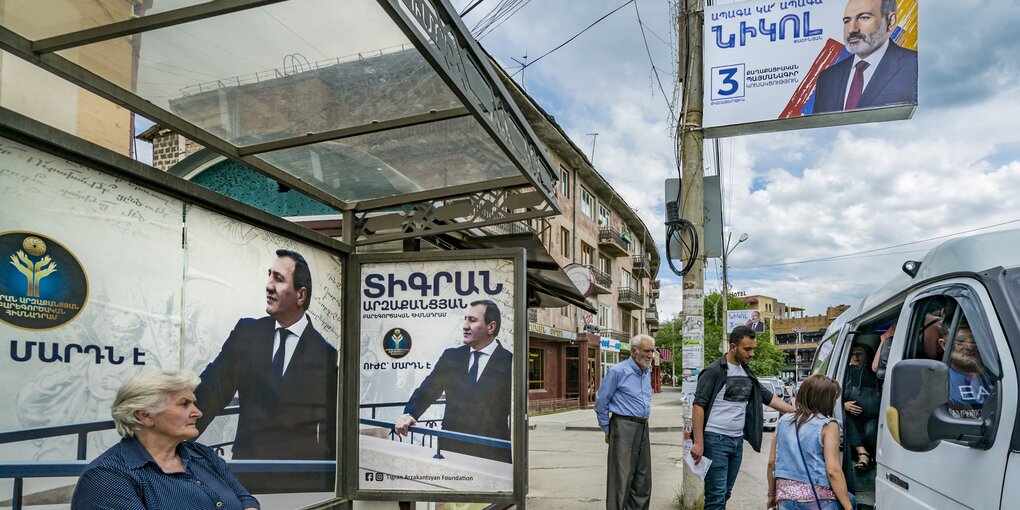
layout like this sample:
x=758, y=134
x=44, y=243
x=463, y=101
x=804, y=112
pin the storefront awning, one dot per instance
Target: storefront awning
x=384, y=110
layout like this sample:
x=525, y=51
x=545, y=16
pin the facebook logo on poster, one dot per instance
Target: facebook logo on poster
x=728, y=81
x=378, y=477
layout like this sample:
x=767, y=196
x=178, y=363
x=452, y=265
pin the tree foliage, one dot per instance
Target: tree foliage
x=768, y=360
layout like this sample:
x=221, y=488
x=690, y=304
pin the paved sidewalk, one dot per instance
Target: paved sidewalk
x=567, y=457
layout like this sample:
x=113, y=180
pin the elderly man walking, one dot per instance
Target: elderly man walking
x=623, y=403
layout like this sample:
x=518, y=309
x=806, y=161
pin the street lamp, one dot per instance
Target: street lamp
x=724, y=345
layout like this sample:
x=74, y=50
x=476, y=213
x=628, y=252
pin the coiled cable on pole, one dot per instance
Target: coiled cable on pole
x=687, y=237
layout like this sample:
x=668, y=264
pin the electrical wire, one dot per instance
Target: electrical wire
x=849, y=255
x=655, y=70
x=470, y=8
x=575, y=36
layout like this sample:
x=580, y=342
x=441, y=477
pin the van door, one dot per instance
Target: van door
x=950, y=403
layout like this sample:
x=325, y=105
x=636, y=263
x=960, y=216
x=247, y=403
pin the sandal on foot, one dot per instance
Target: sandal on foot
x=864, y=461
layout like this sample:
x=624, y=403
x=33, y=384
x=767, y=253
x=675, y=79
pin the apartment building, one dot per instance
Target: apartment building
x=799, y=336
x=599, y=233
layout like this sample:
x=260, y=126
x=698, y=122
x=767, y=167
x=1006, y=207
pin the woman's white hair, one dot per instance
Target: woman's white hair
x=150, y=392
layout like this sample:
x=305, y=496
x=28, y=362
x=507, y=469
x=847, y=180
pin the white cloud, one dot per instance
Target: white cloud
x=800, y=195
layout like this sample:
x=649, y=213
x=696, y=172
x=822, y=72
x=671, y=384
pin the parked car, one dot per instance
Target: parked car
x=776, y=386
x=769, y=416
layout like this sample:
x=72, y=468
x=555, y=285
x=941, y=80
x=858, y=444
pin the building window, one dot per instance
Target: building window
x=587, y=254
x=565, y=242
x=605, y=319
x=587, y=204
x=605, y=265
x=625, y=279
x=565, y=311
x=536, y=369
x=603, y=216
x=564, y=183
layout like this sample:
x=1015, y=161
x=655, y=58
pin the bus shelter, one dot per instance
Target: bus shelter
x=383, y=111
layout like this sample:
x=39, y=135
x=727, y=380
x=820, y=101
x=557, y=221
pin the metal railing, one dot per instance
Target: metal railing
x=615, y=334
x=19, y=471
x=613, y=242
x=641, y=263
x=603, y=280
x=628, y=297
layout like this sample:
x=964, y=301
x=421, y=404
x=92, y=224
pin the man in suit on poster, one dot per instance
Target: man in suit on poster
x=755, y=322
x=476, y=378
x=880, y=73
x=285, y=375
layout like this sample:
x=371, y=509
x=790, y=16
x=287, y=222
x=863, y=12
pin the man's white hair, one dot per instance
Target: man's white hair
x=636, y=339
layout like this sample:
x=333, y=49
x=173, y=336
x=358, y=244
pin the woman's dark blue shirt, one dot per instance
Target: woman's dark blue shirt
x=127, y=477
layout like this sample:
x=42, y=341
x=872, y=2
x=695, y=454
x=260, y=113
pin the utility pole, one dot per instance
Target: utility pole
x=692, y=187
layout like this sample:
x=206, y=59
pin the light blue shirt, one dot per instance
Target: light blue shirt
x=626, y=390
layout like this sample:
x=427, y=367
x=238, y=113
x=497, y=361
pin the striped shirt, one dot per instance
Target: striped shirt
x=127, y=477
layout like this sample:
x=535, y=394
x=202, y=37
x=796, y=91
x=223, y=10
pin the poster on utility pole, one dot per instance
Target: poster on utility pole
x=778, y=65
x=437, y=385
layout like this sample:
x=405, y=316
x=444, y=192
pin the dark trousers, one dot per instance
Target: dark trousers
x=629, y=481
x=726, y=453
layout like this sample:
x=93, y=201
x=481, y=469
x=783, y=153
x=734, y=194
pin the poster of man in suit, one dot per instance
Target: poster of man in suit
x=437, y=345
x=772, y=66
x=879, y=72
x=146, y=282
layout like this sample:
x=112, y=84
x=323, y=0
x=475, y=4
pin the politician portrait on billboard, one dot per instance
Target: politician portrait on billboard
x=437, y=344
x=780, y=65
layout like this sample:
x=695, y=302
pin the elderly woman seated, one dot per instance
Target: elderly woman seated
x=156, y=465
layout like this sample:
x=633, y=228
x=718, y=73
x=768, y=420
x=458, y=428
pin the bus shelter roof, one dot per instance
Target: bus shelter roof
x=385, y=110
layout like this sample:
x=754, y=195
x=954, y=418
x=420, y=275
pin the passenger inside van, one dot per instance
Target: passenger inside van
x=861, y=401
x=969, y=387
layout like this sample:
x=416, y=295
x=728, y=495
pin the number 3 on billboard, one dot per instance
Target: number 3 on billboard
x=727, y=81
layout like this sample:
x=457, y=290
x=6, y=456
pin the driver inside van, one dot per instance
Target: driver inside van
x=969, y=387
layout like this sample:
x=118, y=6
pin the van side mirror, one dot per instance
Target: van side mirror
x=918, y=415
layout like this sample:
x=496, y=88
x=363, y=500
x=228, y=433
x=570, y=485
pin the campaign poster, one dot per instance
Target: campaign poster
x=436, y=375
x=81, y=309
x=101, y=278
x=750, y=318
x=235, y=299
x=774, y=65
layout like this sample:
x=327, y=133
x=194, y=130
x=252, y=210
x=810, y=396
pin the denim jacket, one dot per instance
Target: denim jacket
x=789, y=463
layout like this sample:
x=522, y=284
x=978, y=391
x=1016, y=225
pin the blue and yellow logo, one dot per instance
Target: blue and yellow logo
x=42, y=284
x=397, y=343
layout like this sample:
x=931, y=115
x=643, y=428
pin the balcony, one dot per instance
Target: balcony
x=614, y=334
x=652, y=316
x=612, y=243
x=629, y=298
x=642, y=266
x=603, y=280
x=655, y=289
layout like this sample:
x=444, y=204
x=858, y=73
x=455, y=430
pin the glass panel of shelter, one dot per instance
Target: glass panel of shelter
x=276, y=72
x=39, y=19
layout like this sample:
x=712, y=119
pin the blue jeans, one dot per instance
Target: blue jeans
x=827, y=504
x=726, y=453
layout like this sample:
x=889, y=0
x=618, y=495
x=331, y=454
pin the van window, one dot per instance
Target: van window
x=969, y=382
x=823, y=355
x=949, y=325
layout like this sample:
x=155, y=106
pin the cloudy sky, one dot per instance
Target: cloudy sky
x=865, y=198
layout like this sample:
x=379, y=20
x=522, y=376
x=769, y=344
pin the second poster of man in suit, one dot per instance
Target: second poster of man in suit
x=437, y=343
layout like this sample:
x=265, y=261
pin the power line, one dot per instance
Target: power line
x=655, y=71
x=575, y=36
x=847, y=255
x=505, y=18
x=470, y=8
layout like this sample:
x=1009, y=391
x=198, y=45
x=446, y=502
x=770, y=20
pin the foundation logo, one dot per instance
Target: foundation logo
x=397, y=343
x=42, y=285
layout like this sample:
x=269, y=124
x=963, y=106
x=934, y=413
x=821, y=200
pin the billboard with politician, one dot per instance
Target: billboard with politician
x=777, y=65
